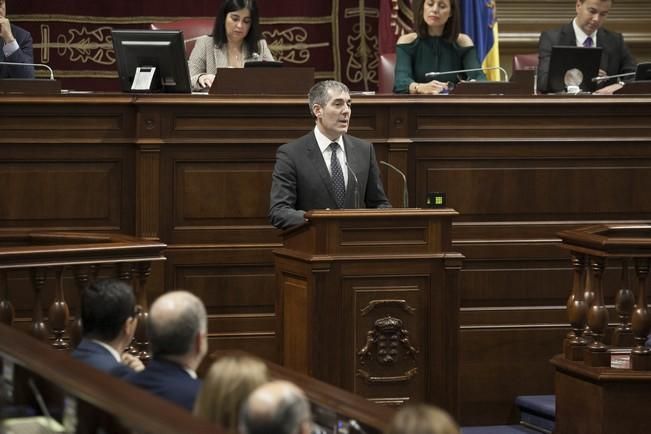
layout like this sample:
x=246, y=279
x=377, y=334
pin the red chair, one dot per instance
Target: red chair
x=525, y=62
x=386, y=72
x=193, y=29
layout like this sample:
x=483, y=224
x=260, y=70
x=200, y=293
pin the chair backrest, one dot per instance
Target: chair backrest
x=193, y=29
x=386, y=72
x=522, y=62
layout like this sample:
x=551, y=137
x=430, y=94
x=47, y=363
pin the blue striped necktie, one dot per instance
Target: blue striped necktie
x=588, y=42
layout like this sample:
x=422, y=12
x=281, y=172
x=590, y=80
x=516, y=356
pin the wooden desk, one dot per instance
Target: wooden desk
x=194, y=172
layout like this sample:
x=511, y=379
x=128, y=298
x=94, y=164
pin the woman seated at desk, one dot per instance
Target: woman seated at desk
x=436, y=46
x=235, y=38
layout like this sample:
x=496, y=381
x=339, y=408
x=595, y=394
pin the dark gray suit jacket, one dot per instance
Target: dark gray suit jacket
x=24, y=54
x=301, y=181
x=615, y=57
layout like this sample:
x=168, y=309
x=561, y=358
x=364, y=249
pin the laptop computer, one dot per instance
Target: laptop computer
x=643, y=72
x=263, y=64
x=566, y=58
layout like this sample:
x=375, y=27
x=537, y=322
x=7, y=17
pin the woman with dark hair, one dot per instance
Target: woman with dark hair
x=435, y=46
x=235, y=38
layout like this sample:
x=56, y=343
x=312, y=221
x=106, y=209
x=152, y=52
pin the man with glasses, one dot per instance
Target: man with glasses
x=109, y=320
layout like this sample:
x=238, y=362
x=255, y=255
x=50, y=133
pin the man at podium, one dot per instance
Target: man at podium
x=326, y=168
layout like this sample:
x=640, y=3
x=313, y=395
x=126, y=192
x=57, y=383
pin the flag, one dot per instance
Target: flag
x=479, y=21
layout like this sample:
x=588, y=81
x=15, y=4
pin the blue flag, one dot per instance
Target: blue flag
x=479, y=21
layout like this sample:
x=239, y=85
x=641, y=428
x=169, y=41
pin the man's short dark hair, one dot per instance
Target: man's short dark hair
x=174, y=335
x=105, y=306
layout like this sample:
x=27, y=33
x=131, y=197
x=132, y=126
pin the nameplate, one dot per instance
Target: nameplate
x=492, y=88
x=635, y=88
x=31, y=86
x=263, y=81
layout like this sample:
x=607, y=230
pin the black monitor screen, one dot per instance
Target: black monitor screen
x=565, y=58
x=643, y=72
x=161, y=49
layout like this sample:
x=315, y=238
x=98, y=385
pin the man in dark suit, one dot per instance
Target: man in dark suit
x=586, y=31
x=178, y=330
x=16, y=46
x=326, y=168
x=108, y=318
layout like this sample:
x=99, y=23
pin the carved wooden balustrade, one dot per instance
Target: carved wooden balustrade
x=85, y=254
x=592, y=248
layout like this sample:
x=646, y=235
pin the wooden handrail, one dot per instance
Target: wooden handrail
x=54, y=252
x=592, y=247
x=328, y=399
x=114, y=403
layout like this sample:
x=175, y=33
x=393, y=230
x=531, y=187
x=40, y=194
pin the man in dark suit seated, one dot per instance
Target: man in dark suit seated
x=326, y=167
x=278, y=407
x=16, y=45
x=586, y=31
x=108, y=317
x=178, y=330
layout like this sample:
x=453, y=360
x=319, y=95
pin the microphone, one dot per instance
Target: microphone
x=30, y=64
x=608, y=77
x=405, y=194
x=459, y=71
x=358, y=204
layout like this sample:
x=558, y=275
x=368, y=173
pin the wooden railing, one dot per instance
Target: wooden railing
x=603, y=387
x=82, y=398
x=592, y=249
x=87, y=400
x=85, y=255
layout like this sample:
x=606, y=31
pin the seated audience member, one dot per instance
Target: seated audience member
x=16, y=47
x=278, y=407
x=108, y=318
x=436, y=46
x=235, y=38
x=177, y=329
x=422, y=419
x=227, y=385
x=586, y=30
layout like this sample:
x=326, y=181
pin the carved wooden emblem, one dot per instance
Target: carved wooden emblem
x=388, y=338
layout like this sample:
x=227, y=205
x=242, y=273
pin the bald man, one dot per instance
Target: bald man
x=178, y=330
x=278, y=407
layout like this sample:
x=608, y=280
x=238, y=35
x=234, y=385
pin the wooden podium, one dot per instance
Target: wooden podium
x=368, y=301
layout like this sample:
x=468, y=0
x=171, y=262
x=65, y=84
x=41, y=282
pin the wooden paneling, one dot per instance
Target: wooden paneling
x=237, y=287
x=75, y=189
x=193, y=171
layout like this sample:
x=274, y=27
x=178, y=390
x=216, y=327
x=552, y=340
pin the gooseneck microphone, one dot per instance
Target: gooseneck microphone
x=459, y=71
x=358, y=203
x=597, y=79
x=405, y=193
x=43, y=65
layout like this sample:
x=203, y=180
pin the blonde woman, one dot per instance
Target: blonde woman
x=422, y=419
x=228, y=383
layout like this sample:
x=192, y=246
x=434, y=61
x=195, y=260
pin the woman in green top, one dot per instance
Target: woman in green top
x=437, y=46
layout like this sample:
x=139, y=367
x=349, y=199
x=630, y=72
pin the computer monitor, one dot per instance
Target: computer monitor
x=565, y=58
x=643, y=72
x=151, y=61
